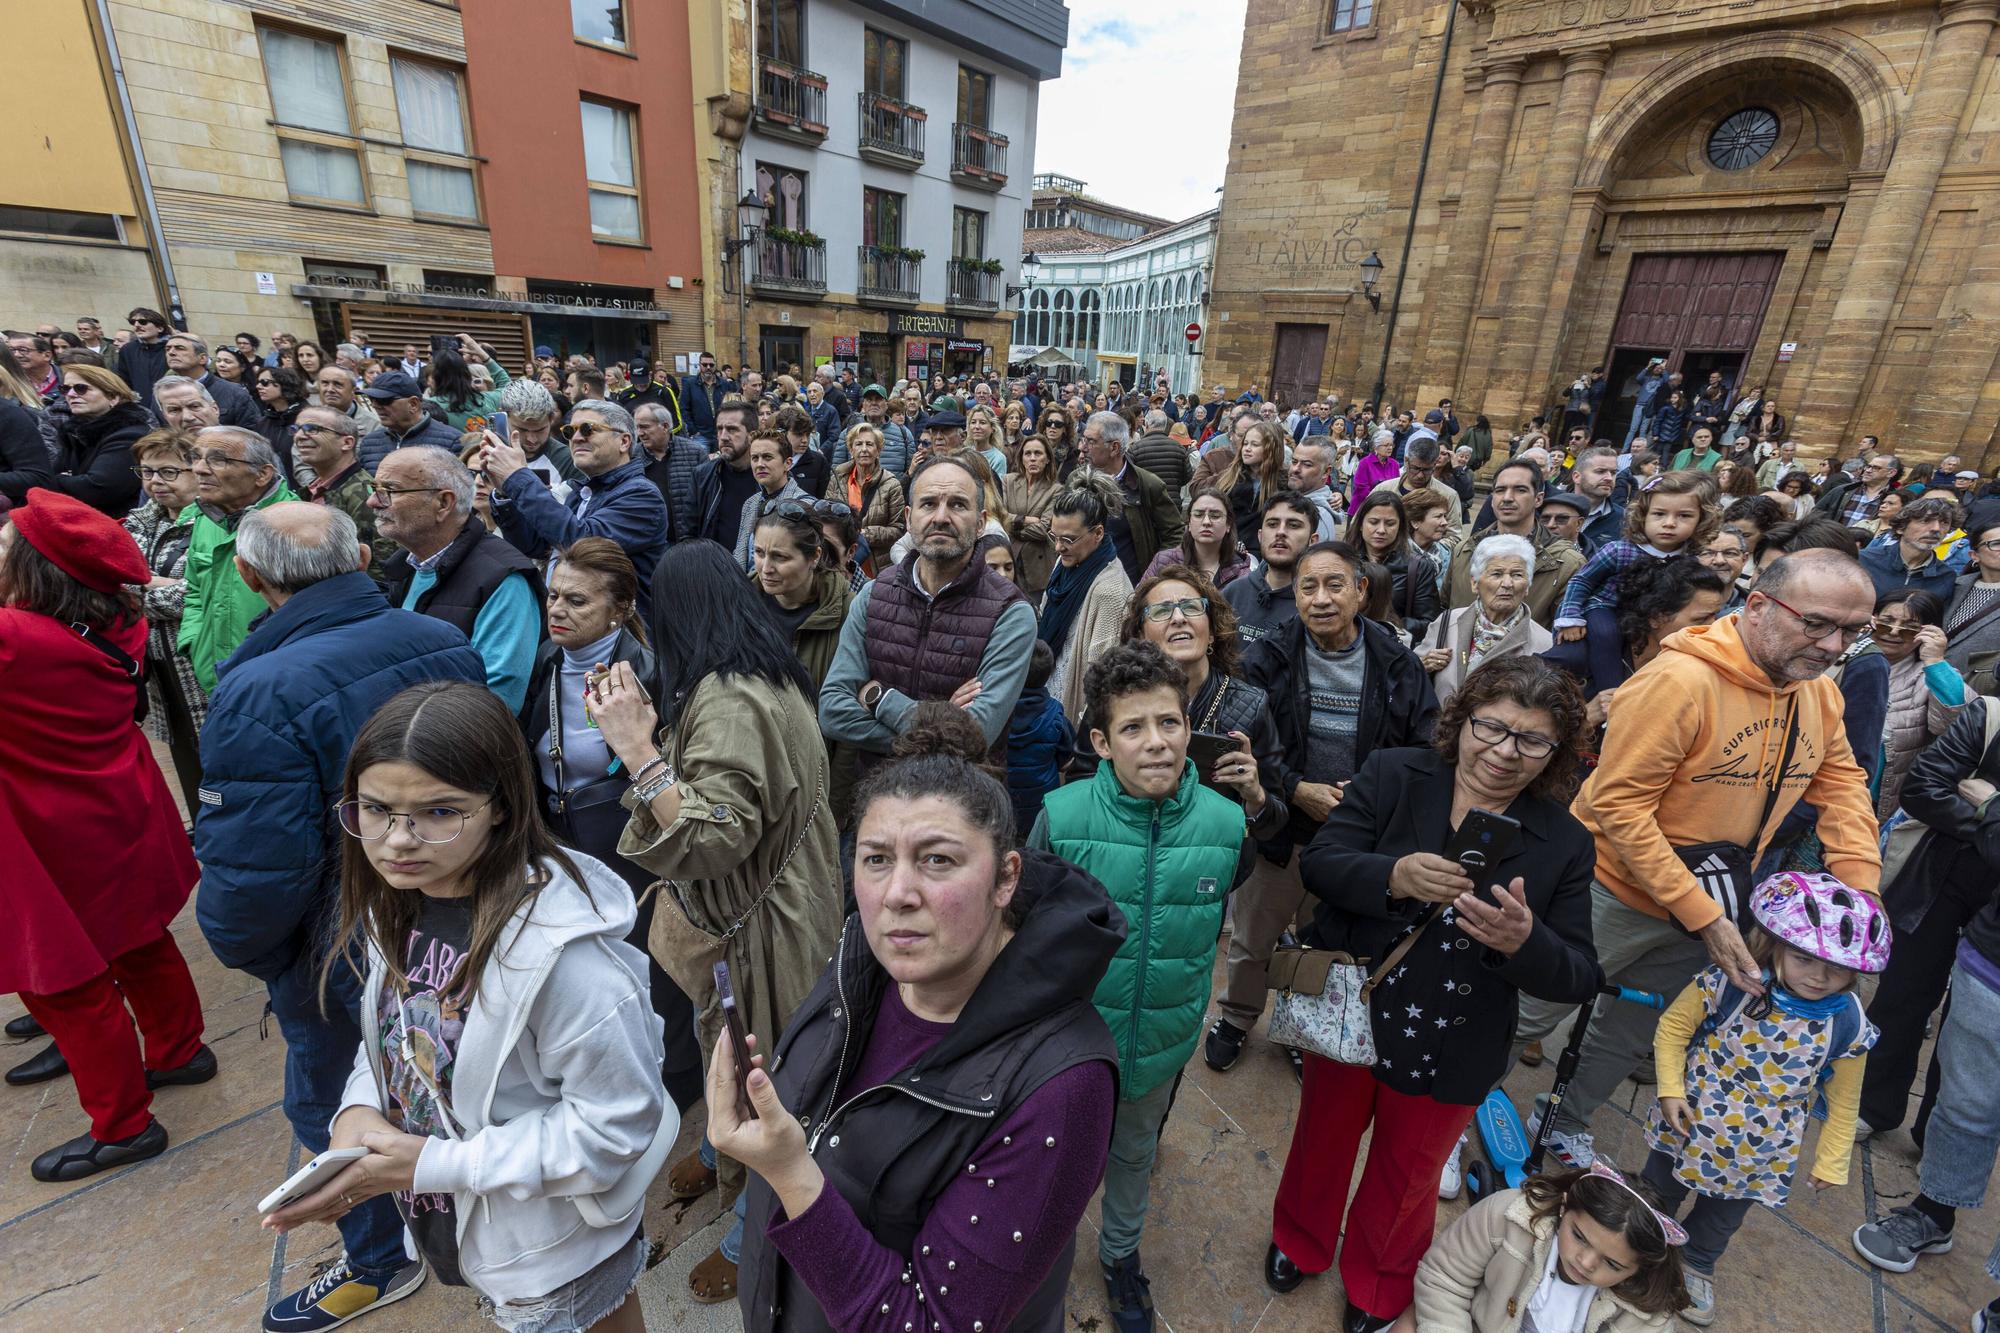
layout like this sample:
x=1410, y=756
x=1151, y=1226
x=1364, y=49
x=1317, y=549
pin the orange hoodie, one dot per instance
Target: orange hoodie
x=1689, y=757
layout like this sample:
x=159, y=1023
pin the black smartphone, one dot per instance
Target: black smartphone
x=739, y=1043
x=443, y=342
x=1206, y=748
x=1482, y=842
x=497, y=423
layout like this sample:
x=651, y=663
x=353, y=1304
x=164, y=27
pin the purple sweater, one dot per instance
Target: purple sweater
x=994, y=1232
x=1368, y=474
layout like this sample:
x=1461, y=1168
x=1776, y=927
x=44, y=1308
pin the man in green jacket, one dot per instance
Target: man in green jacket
x=237, y=472
x=1168, y=850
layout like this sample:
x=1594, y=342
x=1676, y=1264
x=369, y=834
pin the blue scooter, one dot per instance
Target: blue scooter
x=1510, y=1156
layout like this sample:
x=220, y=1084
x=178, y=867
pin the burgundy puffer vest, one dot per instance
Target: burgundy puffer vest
x=928, y=647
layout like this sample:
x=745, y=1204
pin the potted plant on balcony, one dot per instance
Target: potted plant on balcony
x=990, y=267
x=806, y=239
x=901, y=252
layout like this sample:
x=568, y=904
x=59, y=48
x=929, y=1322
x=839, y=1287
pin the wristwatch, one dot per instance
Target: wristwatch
x=871, y=694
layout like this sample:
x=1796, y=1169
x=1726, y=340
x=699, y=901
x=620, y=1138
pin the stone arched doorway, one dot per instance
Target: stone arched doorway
x=1719, y=187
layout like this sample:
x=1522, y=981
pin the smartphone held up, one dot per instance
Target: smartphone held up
x=739, y=1041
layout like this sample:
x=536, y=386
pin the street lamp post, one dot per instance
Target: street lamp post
x=1031, y=268
x=749, y=215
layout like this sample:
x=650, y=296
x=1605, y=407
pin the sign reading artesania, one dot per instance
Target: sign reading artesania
x=929, y=326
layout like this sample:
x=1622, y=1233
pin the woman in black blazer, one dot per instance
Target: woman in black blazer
x=1444, y=1018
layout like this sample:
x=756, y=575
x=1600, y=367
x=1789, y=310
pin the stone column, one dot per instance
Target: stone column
x=1458, y=286
x=1889, y=236
x=1517, y=380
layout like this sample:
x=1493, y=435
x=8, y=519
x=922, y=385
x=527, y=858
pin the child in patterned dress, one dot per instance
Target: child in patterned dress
x=1739, y=1073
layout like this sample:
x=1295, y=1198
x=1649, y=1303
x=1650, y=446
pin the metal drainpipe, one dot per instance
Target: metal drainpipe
x=1416, y=202
x=174, y=310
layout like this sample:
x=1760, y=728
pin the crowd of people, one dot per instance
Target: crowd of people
x=540, y=730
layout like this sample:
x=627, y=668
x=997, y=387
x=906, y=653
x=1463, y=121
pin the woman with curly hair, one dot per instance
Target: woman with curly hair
x=1057, y=427
x=1508, y=742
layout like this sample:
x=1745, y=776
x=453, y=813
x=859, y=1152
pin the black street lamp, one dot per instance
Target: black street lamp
x=750, y=212
x=1031, y=268
x=1371, y=273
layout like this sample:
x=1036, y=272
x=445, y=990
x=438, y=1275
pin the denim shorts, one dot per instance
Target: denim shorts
x=575, y=1306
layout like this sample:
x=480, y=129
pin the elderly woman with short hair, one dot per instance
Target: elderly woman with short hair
x=162, y=526
x=1495, y=625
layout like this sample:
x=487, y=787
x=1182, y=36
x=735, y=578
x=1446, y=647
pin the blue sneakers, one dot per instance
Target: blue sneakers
x=336, y=1295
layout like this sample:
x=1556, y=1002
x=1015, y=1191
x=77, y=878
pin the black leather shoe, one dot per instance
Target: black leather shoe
x=198, y=1070
x=1359, y=1320
x=40, y=1067
x=1280, y=1273
x=85, y=1156
x=24, y=1028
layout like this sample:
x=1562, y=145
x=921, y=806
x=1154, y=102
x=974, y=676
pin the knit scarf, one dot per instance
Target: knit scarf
x=1066, y=591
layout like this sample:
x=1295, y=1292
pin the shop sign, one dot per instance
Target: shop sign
x=917, y=350
x=964, y=345
x=845, y=346
x=941, y=326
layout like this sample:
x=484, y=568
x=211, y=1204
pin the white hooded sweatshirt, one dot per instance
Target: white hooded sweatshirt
x=557, y=1084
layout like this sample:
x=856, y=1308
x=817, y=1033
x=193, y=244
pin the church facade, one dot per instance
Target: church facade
x=1801, y=194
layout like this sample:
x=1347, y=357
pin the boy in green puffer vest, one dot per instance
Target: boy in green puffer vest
x=1168, y=850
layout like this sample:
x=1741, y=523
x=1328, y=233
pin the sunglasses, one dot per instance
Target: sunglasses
x=584, y=430
x=76, y=388
x=1884, y=628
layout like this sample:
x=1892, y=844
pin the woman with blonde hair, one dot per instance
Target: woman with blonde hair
x=94, y=451
x=872, y=495
x=982, y=433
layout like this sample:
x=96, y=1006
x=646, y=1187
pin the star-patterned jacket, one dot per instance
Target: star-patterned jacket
x=1444, y=1018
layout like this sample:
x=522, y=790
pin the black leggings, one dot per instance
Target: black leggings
x=1919, y=968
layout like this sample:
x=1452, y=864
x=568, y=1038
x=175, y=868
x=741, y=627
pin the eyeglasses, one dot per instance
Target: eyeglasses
x=1818, y=627
x=1190, y=608
x=371, y=822
x=391, y=492
x=76, y=389
x=584, y=430
x=1993, y=545
x=1063, y=543
x=308, y=428
x=1526, y=743
x=216, y=458
x=161, y=473
x=796, y=510
x=832, y=509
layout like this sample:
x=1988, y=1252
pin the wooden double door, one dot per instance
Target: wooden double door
x=1699, y=312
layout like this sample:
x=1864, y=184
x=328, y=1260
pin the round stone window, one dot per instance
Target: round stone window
x=1743, y=139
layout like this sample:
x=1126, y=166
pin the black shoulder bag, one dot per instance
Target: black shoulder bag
x=1725, y=870
x=133, y=671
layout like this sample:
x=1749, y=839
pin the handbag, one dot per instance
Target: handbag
x=688, y=952
x=1725, y=870
x=1322, y=1003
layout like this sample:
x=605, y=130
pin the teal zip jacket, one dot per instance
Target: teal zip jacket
x=1169, y=866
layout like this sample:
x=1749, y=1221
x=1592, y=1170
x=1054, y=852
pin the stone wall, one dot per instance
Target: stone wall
x=1570, y=140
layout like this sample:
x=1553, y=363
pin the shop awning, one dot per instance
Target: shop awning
x=1052, y=358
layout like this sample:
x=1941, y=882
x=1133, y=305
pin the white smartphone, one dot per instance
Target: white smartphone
x=309, y=1178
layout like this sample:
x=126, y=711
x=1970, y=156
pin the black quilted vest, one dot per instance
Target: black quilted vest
x=475, y=564
x=928, y=647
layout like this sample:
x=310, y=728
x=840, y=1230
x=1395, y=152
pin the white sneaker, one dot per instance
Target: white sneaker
x=1576, y=1150
x=1452, y=1182
x=1701, y=1290
x=1862, y=1130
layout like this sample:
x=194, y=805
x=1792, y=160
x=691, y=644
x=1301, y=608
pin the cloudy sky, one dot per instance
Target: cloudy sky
x=1141, y=113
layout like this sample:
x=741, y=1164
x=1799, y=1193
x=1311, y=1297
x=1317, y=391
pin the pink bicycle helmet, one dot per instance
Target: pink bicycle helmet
x=1817, y=914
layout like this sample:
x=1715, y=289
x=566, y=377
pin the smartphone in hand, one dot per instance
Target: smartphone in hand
x=739, y=1042
x=1482, y=842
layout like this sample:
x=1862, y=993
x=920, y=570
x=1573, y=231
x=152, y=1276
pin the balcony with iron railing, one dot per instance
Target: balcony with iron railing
x=787, y=264
x=892, y=132
x=889, y=275
x=971, y=286
x=791, y=102
x=978, y=156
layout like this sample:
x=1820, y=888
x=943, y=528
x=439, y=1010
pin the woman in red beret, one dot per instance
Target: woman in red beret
x=97, y=861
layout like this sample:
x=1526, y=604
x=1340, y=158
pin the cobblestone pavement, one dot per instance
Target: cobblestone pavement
x=174, y=1243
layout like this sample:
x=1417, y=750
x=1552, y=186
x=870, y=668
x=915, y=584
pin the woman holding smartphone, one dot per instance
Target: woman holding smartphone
x=507, y=1086
x=1506, y=744
x=731, y=784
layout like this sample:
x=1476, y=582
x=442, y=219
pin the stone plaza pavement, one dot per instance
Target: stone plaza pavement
x=174, y=1244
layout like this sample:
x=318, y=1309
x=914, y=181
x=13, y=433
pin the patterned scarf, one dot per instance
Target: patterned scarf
x=1486, y=635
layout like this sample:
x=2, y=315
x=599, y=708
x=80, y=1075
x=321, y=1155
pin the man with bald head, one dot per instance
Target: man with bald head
x=273, y=752
x=940, y=620
x=1713, y=741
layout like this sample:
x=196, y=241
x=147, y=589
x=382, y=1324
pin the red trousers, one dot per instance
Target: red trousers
x=1389, y=1225
x=94, y=1032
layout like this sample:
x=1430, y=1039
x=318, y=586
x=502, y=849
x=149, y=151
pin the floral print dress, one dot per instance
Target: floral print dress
x=1751, y=1084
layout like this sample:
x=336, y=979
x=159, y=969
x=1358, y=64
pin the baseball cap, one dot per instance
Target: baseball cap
x=393, y=384
x=875, y=389
x=543, y=349
x=1433, y=418
x=1967, y=475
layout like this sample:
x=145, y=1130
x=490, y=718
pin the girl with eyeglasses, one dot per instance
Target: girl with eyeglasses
x=95, y=438
x=517, y=1151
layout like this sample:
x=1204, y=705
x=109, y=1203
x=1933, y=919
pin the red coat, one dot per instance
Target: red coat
x=94, y=860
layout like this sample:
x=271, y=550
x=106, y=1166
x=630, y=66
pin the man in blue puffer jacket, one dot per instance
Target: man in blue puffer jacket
x=286, y=708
